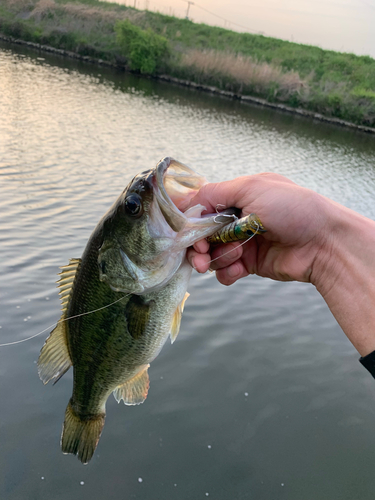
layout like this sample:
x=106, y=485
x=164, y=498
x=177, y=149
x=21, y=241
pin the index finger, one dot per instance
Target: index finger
x=227, y=193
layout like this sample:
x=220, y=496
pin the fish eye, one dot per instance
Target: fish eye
x=133, y=205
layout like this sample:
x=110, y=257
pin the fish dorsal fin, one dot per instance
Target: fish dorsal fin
x=135, y=390
x=176, y=321
x=66, y=282
x=54, y=359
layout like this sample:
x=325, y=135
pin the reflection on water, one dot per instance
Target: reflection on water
x=261, y=396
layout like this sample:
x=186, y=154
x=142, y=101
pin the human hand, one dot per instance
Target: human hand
x=292, y=216
x=309, y=238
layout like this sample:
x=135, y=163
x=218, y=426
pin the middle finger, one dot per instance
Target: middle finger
x=225, y=255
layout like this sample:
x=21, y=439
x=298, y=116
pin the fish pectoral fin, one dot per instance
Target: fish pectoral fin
x=54, y=359
x=135, y=390
x=176, y=321
x=137, y=313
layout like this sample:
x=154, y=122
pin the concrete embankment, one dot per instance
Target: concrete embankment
x=192, y=85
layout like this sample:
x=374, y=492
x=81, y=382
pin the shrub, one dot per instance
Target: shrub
x=362, y=92
x=144, y=49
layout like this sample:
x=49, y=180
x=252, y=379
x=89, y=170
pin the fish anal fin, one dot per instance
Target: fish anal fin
x=54, y=359
x=135, y=390
x=80, y=436
x=176, y=321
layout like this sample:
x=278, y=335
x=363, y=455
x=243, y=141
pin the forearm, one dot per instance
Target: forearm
x=344, y=273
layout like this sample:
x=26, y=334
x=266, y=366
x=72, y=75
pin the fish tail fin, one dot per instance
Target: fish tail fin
x=81, y=436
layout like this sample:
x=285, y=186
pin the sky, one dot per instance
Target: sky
x=343, y=25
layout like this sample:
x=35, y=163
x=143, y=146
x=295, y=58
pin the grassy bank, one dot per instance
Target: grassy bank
x=331, y=83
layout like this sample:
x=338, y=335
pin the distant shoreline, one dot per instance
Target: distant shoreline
x=301, y=80
x=192, y=85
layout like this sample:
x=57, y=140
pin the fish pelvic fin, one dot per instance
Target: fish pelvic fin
x=176, y=321
x=54, y=359
x=81, y=436
x=135, y=390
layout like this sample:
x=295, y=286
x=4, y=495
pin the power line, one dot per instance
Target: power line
x=220, y=17
x=188, y=7
x=212, y=14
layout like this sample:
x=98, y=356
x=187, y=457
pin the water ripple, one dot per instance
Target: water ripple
x=255, y=365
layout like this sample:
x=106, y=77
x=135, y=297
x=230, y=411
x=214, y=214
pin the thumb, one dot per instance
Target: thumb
x=227, y=193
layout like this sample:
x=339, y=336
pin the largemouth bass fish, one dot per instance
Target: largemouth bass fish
x=133, y=277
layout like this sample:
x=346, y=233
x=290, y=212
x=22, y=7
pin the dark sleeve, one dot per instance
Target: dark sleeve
x=369, y=362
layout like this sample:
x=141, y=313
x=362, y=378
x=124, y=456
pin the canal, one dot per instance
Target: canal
x=262, y=395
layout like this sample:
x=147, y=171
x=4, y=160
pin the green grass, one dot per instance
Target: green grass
x=144, y=49
x=328, y=82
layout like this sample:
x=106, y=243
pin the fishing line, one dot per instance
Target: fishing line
x=235, y=248
x=62, y=320
x=115, y=302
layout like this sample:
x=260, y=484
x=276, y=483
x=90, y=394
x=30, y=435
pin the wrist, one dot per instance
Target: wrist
x=345, y=246
x=344, y=272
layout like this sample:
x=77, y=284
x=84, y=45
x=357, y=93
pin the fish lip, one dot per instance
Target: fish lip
x=174, y=217
x=160, y=171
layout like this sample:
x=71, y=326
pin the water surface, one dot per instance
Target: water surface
x=262, y=395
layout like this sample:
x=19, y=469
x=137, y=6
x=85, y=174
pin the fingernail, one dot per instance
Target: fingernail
x=233, y=271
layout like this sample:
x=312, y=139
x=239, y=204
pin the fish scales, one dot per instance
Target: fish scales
x=132, y=277
x=104, y=350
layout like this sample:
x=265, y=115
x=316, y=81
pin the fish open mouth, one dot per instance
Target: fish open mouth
x=175, y=185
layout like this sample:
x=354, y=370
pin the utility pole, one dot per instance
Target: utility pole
x=188, y=7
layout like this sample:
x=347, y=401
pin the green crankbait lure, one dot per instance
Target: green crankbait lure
x=240, y=229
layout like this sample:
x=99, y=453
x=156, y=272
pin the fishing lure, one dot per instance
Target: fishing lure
x=240, y=229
